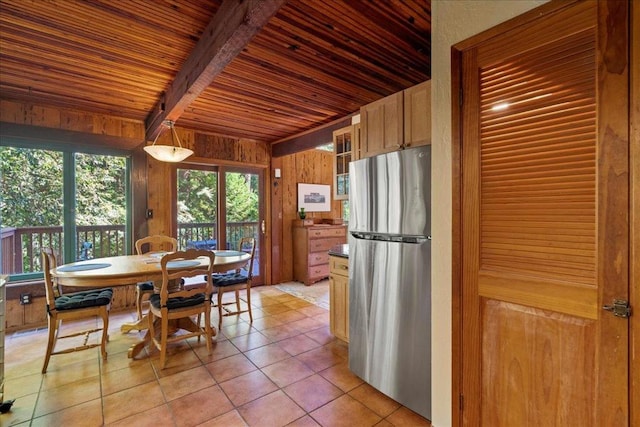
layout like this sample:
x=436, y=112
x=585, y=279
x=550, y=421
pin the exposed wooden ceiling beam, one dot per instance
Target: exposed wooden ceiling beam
x=230, y=30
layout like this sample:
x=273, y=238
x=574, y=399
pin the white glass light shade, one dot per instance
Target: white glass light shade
x=168, y=153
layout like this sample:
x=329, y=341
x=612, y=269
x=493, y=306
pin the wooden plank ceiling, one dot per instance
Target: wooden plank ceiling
x=314, y=61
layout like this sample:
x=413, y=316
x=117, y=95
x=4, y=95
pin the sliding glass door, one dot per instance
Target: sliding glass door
x=217, y=206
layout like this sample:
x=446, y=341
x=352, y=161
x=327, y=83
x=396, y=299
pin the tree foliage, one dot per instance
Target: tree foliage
x=32, y=188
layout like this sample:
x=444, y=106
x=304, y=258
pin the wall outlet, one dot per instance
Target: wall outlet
x=25, y=299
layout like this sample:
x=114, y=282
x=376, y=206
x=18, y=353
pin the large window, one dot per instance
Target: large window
x=75, y=203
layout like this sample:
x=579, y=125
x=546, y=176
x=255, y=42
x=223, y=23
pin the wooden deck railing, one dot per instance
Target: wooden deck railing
x=21, y=246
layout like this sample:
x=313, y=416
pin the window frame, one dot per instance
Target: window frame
x=69, y=182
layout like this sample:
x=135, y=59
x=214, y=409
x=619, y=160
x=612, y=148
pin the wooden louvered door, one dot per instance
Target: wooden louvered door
x=544, y=221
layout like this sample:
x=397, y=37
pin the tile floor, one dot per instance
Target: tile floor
x=284, y=369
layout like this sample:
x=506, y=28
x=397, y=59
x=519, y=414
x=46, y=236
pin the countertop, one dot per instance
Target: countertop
x=340, y=250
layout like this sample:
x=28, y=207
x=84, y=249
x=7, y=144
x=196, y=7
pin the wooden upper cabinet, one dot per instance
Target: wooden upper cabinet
x=381, y=125
x=399, y=121
x=417, y=115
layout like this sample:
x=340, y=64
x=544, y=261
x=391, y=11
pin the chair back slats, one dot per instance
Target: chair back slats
x=156, y=243
x=51, y=289
x=169, y=276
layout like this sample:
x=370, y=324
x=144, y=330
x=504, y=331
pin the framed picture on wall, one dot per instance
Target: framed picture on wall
x=314, y=197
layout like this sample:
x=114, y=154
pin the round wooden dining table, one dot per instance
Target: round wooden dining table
x=130, y=269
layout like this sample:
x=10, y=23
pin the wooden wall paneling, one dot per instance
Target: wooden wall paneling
x=159, y=197
x=634, y=291
x=36, y=312
x=289, y=213
x=276, y=221
x=14, y=314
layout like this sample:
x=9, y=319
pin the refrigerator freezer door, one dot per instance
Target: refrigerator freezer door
x=391, y=193
x=389, y=319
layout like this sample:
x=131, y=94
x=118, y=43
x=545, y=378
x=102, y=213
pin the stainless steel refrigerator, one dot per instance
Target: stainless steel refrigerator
x=390, y=275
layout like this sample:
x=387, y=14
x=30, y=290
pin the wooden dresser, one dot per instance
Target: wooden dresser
x=311, y=246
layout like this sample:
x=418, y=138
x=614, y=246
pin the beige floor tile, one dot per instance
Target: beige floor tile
x=131, y=401
x=261, y=412
x=280, y=332
x=248, y=387
x=287, y=371
x=196, y=408
x=278, y=308
x=70, y=394
x=219, y=350
x=305, y=421
x=232, y=330
x=84, y=414
x=185, y=382
x=306, y=324
x=373, y=399
x=160, y=416
x=267, y=322
x=267, y=355
x=22, y=386
x=312, y=392
x=250, y=341
x=345, y=411
x=231, y=367
x=59, y=374
x=341, y=376
x=320, y=358
x=291, y=316
x=321, y=335
x=298, y=344
x=122, y=379
x=230, y=419
x=180, y=357
x=404, y=417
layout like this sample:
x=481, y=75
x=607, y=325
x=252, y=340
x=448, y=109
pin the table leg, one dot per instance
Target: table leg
x=139, y=325
x=185, y=323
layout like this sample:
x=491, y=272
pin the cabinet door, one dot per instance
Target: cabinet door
x=339, y=303
x=417, y=115
x=342, y=147
x=381, y=126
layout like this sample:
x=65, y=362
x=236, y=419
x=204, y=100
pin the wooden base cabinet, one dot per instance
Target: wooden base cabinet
x=339, y=297
x=311, y=250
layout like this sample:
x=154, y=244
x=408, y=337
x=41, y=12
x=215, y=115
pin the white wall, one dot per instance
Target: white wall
x=451, y=22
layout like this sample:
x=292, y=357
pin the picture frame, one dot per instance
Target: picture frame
x=314, y=197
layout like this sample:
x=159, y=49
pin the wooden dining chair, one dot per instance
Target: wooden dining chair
x=172, y=308
x=73, y=306
x=150, y=244
x=236, y=281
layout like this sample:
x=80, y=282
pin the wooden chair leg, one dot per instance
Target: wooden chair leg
x=238, y=301
x=105, y=333
x=208, y=335
x=52, y=324
x=139, y=302
x=163, y=340
x=249, y=304
x=220, y=293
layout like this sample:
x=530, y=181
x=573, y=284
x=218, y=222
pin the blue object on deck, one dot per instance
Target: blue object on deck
x=210, y=244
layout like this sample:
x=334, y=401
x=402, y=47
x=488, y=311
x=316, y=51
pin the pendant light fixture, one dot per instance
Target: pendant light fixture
x=168, y=153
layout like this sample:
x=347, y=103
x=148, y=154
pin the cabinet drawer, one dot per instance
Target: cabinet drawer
x=339, y=265
x=328, y=232
x=319, y=271
x=317, y=258
x=323, y=245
